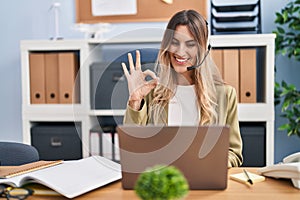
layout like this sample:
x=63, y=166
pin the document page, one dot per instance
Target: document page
x=114, y=7
x=73, y=178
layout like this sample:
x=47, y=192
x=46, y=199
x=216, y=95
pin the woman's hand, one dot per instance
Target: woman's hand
x=138, y=86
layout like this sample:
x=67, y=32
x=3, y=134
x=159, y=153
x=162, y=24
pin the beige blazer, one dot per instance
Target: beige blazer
x=227, y=114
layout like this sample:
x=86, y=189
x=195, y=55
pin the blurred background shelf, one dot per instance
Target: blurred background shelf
x=96, y=112
x=235, y=17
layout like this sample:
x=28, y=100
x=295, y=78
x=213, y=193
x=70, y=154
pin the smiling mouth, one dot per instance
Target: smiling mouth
x=181, y=60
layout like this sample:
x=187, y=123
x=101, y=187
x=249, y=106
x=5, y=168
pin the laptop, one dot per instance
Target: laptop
x=199, y=152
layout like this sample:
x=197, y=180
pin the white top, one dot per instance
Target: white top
x=183, y=109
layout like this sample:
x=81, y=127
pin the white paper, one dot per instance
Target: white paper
x=113, y=7
x=73, y=178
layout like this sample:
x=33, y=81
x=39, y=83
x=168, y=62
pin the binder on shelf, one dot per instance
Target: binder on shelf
x=248, y=75
x=37, y=78
x=107, y=146
x=217, y=55
x=104, y=141
x=231, y=68
x=67, y=71
x=116, y=147
x=95, y=143
x=51, y=77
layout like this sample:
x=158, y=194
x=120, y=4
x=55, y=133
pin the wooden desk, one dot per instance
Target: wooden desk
x=269, y=189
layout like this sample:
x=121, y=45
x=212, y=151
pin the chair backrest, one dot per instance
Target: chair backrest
x=13, y=153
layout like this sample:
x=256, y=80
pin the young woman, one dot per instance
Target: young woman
x=188, y=89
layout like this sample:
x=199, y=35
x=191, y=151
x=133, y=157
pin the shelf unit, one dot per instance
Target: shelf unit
x=87, y=117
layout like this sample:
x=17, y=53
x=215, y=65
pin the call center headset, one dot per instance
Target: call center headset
x=206, y=54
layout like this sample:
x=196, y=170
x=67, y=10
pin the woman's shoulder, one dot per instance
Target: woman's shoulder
x=226, y=89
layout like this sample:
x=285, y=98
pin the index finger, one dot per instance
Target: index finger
x=150, y=73
x=130, y=60
x=138, y=60
x=125, y=69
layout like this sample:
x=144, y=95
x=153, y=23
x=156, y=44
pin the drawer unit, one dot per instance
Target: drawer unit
x=254, y=144
x=57, y=141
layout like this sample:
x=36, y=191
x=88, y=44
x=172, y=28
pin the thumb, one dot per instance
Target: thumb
x=152, y=84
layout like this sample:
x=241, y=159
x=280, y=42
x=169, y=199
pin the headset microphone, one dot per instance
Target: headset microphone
x=196, y=66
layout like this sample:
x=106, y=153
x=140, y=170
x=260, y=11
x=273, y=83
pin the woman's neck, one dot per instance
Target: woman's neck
x=185, y=78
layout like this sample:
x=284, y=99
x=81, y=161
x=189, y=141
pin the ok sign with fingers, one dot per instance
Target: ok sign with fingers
x=138, y=86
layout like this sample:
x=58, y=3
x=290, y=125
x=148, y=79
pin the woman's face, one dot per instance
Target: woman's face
x=183, y=49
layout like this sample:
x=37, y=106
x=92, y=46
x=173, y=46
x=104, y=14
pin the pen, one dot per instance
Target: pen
x=248, y=178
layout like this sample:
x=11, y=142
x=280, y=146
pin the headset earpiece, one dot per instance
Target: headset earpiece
x=206, y=54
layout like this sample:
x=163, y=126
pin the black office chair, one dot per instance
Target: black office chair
x=13, y=154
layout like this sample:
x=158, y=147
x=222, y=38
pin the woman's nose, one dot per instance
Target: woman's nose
x=180, y=50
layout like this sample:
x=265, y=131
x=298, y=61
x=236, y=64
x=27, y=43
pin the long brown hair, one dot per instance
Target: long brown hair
x=205, y=77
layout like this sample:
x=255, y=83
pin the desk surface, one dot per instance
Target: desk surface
x=268, y=189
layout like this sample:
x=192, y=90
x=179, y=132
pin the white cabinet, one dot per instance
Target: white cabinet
x=35, y=113
x=93, y=50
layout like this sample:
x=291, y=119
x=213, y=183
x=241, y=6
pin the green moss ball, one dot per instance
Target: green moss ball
x=161, y=182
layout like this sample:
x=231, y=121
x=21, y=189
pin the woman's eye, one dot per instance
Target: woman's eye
x=175, y=43
x=191, y=44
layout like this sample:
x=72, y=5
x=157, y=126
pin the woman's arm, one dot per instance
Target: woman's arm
x=134, y=116
x=235, y=157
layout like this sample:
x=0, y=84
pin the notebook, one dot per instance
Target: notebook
x=11, y=171
x=242, y=178
x=70, y=178
x=200, y=152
